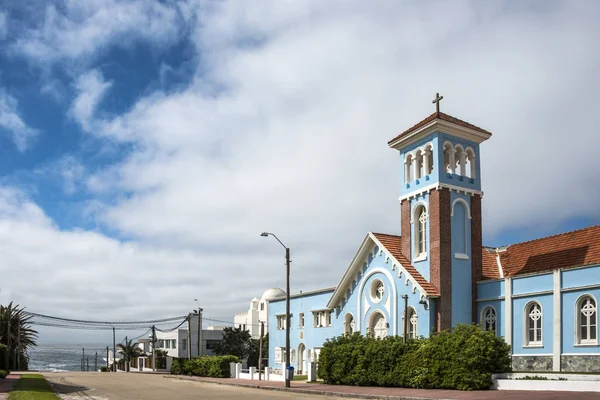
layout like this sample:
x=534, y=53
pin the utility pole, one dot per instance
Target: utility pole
x=114, y=364
x=189, y=347
x=107, y=364
x=96, y=363
x=262, y=333
x=82, y=359
x=287, y=314
x=126, y=356
x=405, y=324
x=153, y=348
x=88, y=364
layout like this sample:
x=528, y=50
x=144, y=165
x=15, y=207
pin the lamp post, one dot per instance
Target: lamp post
x=114, y=364
x=82, y=357
x=287, y=304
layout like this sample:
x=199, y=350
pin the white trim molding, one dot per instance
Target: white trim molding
x=436, y=186
x=578, y=322
x=461, y=256
x=508, y=311
x=557, y=340
x=464, y=202
x=361, y=288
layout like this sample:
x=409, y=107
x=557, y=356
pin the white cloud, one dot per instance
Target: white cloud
x=74, y=29
x=12, y=122
x=284, y=128
x=90, y=88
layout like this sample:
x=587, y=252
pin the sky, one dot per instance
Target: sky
x=145, y=145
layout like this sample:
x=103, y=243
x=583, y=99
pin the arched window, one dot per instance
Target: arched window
x=349, y=324
x=449, y=159
x=377, y=290
x=408, y=168
x=587, y=320
x=488, y=319
x=471, y=166
x=420, y=232
x=428, y=160
x=419, y=171
x=533, y=327
x=412, y=323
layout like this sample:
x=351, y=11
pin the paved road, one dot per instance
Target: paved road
x=133, y=386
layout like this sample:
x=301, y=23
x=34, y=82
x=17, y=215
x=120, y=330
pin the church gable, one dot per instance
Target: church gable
x=380, y=245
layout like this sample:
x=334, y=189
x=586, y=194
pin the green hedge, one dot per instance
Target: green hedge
x=211, y=366
x=4, y=373
x=463, y=359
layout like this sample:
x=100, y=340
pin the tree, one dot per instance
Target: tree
x=235, y=342
x=129, y=350
x=255, y=350
x=18, y=336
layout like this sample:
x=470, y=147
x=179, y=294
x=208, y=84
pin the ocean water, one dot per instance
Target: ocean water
x=65, y=357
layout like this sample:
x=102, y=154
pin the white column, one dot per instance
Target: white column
x=267, y=373
x=462, y=161
x=508, y=310
x=451, y=154
x=557, y=340
x=473, y=166
x=252, y=371
x=312, y=371
x=406, y=171
x=238, y=370
x=426, y=162
x=415, y=168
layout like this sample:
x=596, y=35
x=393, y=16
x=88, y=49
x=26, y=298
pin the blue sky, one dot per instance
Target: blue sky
x=144, y=145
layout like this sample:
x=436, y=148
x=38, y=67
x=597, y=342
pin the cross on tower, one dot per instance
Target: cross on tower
x=436, y=101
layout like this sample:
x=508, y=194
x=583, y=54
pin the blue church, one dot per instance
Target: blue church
x=540, y=296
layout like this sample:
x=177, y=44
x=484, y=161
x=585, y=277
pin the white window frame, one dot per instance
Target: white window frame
x=578, y=322
x=280, y=322
x=420, y=246
x=301, y=320
x=322, y=318
x=484, y=322
x=538, y=324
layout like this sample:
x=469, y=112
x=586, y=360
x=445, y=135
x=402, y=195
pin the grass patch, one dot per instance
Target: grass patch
x=300, y=377
x=32, y=387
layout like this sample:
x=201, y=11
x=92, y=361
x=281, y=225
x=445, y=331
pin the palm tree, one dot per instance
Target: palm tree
x=18, y=336
x=129, y=351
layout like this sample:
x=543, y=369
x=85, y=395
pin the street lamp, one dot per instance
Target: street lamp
x=287, y=304
x=114, y=365
x=199, y=325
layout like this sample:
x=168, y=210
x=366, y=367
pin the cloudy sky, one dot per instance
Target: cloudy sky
x=144, y=145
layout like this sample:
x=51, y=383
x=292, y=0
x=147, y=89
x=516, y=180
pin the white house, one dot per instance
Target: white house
x=258, y=312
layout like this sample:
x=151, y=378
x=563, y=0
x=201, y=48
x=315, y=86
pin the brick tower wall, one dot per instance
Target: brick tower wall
x=440, y=252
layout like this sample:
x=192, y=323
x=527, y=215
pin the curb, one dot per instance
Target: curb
x=302, y=391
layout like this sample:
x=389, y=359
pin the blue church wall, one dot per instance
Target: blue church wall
x=461, y=266
x=519, y=319
x=532, y=284
x=579, y=277
x=490, y=289
x=415, y=184
x=312, y=337
x=456, y=179
x=423, y=265
x=499, y=306
x=569, y=301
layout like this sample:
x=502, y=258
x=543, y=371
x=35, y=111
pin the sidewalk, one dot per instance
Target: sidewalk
x=364, y=392
x=7, y=384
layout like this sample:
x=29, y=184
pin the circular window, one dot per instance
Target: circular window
x=377, y=291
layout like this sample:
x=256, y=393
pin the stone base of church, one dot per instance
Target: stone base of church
x=583, y=363
x=532, y=363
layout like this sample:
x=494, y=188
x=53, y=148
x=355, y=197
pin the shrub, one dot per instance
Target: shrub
x=463, y=359
x=210, y=366
x=103, y=369
x=3, y=373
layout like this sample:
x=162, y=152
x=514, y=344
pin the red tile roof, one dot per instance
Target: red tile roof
x=565, y=250
x=489, y=263
x=392, y=244
x=443, y=117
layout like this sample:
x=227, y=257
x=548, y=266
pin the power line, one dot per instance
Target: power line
x=90, y=322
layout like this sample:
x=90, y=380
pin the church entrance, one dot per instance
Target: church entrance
x=379, y=326
x=301, y=350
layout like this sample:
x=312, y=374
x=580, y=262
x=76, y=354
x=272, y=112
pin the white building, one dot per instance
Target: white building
x=258, y=312
x=177, y=344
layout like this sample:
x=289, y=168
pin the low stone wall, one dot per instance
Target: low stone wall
x=583, y=363
x=532, y=363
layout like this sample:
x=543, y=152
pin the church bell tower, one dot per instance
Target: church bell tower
x=440, y=203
